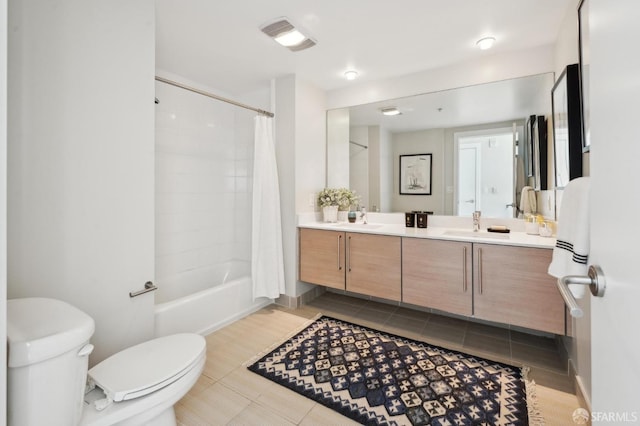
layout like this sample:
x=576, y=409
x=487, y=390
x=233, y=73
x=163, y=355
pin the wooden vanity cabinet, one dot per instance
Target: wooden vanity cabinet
x=511, y=286
x=374, y=265
x=322, y=257
x=437, y=274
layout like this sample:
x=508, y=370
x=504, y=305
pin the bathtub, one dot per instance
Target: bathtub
x=207, y=310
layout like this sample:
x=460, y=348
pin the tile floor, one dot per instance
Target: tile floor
x=228, y=394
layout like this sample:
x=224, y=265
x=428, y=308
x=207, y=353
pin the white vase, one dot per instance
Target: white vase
x=330, y=213
x=342, y=215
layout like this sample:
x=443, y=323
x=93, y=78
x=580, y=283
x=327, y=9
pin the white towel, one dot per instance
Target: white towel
x=528, y=202
x=267, y=260
x=571, y=253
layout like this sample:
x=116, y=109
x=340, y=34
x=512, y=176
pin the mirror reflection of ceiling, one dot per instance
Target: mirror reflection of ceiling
x=485, y=103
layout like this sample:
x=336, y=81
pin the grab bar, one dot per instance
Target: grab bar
x=595, y=281
x=148, y=286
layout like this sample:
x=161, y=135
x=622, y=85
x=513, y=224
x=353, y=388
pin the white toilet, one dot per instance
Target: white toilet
x=48, y=381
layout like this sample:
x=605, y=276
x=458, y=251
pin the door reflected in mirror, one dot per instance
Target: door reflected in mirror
x=484, y=172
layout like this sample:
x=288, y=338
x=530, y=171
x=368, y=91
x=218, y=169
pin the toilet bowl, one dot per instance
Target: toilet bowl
x=48, y=381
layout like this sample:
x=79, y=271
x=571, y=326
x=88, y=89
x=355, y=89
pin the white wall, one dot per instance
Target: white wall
x=80, y=201
x=203, y=175
x=285, y=142
x=487, y=69
x=301, y=156
x=337, y=148
x=3, y=207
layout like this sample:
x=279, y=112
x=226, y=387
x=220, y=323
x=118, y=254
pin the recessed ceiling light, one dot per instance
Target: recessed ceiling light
x=391, y=111
x=485, y=43
x=283, y=31
x=351, y=74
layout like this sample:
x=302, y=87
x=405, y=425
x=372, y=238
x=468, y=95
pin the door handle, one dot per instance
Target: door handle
x=470, y=201
x=595, y=280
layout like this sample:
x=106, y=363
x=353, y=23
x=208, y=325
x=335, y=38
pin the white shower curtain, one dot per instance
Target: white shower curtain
x=267, y=263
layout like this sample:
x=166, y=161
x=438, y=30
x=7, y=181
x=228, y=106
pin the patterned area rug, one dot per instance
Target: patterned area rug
x=377, y=378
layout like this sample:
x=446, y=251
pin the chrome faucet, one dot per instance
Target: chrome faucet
x=476, y=221
x=363, y=215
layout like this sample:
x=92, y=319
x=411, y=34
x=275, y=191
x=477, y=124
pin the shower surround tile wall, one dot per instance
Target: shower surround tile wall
x=204, y=151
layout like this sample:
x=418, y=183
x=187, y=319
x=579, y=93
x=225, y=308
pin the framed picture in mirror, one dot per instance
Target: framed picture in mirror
x=567, y=126
x=415, y=174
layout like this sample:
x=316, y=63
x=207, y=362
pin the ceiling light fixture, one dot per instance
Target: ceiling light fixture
x=351, y=74
x=486, y=43
x=391, y=111
x=283, y=31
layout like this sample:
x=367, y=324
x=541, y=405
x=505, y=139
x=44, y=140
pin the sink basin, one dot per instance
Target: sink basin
x=479, y=234
x=359, y=225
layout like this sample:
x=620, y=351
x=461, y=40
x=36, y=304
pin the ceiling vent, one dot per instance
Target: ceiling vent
x=283, y=31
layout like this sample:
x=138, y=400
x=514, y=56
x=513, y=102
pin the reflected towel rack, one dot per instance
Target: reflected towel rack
x=359, y=144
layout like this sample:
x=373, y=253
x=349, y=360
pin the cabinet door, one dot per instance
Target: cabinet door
x=437, y=274
x=374, y=265
x=322, y=257
x=511, y=285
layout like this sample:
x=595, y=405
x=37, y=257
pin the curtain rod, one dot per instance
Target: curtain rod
x=210, y=95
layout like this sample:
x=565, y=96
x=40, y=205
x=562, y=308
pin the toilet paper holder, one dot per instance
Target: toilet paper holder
x=148, y=286
x=595, y=280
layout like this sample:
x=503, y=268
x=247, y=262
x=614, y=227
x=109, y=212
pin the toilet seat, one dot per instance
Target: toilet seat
x=147, y=367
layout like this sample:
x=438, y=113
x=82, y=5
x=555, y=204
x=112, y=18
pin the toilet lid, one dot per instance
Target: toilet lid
x=149, y=366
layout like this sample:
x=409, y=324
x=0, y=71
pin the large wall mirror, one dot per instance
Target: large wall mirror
x=475, y=135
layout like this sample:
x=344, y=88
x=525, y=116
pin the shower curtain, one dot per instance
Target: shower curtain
x=267, y=262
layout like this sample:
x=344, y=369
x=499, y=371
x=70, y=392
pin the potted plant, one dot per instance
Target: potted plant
x=329, y=203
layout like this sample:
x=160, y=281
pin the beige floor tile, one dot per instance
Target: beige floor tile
x=256, y=414
x=556, y=407
x=215, y=405
x=286, y=403
x=321, y=415
x=246, y=383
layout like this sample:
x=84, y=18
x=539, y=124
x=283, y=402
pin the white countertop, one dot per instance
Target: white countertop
x=513, y=238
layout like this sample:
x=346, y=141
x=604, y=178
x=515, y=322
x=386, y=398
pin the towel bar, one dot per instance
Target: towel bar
x=148, y=286
x=595, y=281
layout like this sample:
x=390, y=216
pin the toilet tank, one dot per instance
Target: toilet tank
x=48, y=348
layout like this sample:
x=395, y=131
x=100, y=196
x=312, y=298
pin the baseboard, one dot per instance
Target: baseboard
x=583, y=396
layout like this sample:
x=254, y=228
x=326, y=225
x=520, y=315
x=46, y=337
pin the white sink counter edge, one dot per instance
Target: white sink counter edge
x=466, y=234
